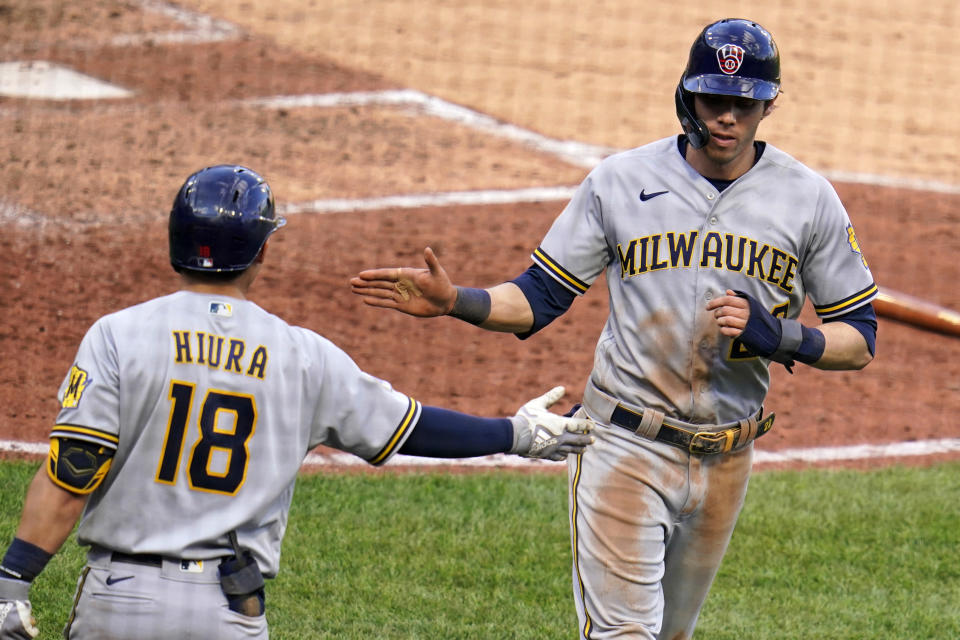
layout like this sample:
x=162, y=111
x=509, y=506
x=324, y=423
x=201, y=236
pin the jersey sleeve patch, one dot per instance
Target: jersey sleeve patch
x=88, y=434
x=552, y=267
x=410, y=418
x=78, y=382
x=855, y=245
x=847, y=304
x=77, y=465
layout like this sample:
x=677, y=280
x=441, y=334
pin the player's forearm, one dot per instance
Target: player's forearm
x=500, y=308
x=844, y=348
x=509, y=310
x=49, y=513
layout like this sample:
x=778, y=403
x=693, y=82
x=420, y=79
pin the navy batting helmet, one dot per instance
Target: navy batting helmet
x=220, y=219
x=731, y=58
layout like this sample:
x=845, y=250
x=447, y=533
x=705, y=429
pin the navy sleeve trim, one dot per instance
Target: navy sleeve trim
x=406, y=424
x=847, y=304
x=89, y=434
x=551, y=266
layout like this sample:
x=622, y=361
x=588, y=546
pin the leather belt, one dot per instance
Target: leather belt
x=146, y=559
x=151, y=559
x=703, y=443
x=696, y=439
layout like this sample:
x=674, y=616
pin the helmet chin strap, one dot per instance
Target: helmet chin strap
x=696, y=130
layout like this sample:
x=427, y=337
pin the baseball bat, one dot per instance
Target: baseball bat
x=916, y=311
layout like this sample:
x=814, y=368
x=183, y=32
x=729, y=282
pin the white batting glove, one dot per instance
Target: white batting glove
x=16, y=617
x=538, y=433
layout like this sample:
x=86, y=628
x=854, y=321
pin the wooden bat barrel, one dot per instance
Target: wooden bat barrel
x=917, y=312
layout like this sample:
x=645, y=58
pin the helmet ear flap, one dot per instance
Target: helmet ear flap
x=696, y=129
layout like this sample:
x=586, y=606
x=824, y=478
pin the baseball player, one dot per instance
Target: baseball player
x=183, y=425
x=711, y=241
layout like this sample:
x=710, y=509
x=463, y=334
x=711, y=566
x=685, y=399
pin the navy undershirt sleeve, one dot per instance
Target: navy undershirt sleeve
x=548, y=298
x=864, y=320
x=443, y=433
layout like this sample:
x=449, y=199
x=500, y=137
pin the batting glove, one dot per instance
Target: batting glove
x=16, y=617
x=538, y=433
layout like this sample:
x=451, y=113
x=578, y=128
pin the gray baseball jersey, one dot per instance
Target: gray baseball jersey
x=668, y=242
x=211, y=404
x=650, y=522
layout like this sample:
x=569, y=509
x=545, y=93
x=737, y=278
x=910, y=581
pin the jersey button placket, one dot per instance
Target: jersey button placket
x=713, y=219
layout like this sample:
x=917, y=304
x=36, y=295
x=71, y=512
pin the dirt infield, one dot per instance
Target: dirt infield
x=87, y=184
x=864, y=80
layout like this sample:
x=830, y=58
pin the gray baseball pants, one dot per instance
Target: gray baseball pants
x=122, y=600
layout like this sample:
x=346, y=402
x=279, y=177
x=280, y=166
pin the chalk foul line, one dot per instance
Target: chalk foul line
x=199, y=28
x=576, y=153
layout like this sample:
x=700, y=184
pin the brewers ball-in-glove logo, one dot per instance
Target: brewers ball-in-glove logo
x=78, y=382
x=854, y=245
x=730, y=57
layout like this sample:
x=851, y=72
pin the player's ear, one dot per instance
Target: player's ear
x=769, y=107
x=263, y=251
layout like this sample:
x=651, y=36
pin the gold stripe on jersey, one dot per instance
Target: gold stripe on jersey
x=76, y=601
x=85, y=433
x=413, y=410
x=842, y=306
x=576, y=556
x=550, y=265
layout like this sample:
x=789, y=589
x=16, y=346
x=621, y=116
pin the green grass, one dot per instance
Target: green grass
x=817, y=554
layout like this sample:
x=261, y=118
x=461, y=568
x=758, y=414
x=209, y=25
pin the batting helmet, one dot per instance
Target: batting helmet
x=220, y=219
x=731, y=58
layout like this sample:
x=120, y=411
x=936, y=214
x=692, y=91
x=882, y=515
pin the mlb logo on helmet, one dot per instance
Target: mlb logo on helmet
x=203, y=252
x=730, y=57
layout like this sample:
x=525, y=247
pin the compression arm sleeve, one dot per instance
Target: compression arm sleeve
x=548, y=298
x=443, y=433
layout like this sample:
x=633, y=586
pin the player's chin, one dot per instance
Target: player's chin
x=717, y=156
x=723, y=148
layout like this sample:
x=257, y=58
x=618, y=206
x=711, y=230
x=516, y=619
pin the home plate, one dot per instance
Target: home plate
x=48, y=81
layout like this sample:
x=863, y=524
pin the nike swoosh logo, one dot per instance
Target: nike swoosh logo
x=112, y=581
x=646, y=196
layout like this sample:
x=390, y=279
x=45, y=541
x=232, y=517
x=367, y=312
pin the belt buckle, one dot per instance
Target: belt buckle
x=710, y=443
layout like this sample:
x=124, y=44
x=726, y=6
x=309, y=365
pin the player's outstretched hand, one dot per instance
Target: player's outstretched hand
x=418, y=292
x=16, y=615
x=539, y=433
